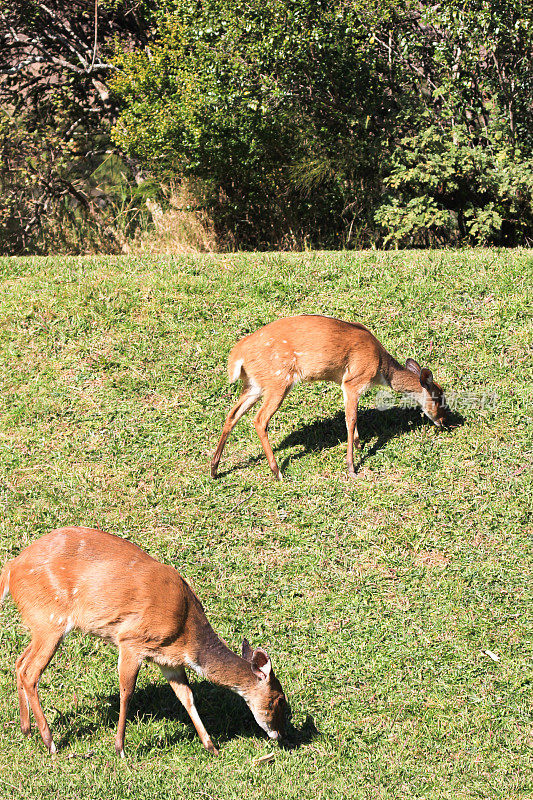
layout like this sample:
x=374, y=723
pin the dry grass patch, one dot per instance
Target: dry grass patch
x=431, y=559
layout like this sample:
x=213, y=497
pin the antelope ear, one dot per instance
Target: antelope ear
x=426, y=379
x=247, y=651
x=413, y=366
x=261, y=664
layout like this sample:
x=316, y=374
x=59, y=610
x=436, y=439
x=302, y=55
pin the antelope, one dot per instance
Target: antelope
x=308, y=348
x=85, y=579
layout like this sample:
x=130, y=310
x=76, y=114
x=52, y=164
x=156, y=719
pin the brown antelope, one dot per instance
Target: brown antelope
x=98, y=583
x=274, y=358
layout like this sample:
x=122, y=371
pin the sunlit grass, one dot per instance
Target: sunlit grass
x=377, y=599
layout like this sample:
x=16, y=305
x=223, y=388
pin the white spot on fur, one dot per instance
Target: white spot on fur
x=277, y=372
x=190, y=663
x=255, y=389
x=51, y=617
x=170, y=670
x=69, y=627
x=344, y=394
x=236, y=369
x=292, y=380
x=284, y=341
x=75, y=590
x=59, y=620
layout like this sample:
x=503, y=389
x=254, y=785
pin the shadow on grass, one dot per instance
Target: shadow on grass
x=326, y=433
x=224, y=714
x=386, y=425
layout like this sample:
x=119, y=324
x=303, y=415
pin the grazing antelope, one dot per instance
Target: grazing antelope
x=274, y=358
x=98, y=583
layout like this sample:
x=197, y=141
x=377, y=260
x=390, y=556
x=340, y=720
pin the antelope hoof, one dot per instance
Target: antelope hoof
x=119, y=749
x=351, y=473
x=211, y=748
x=26, y=729
x=52, y=749
x=214, y=468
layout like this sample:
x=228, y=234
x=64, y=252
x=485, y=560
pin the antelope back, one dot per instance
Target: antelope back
x=308, y=348
x=99, y=583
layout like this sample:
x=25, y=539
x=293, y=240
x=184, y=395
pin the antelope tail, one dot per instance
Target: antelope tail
x=4, y=581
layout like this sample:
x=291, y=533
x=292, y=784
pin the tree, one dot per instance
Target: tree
x=332, y=123
x=57, y=174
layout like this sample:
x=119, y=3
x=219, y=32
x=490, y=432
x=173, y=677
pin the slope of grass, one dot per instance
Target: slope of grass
x=379, y=599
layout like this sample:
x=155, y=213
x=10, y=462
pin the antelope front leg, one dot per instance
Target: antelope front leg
x=128, y=669
x=248, y=398
x=351, y=398
x=180, y=686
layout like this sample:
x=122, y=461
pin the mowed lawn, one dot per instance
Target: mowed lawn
x=396, y=607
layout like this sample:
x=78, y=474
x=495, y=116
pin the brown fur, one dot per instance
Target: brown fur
x=101, y=584
x=274, y=358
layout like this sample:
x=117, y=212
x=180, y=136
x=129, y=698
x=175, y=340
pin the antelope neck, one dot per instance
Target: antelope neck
x=221, y=665
x=400, y=378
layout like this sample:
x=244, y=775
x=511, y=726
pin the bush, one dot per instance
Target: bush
x=339, y=125
x=443, y=188
x=63, y=185
x=276, y=107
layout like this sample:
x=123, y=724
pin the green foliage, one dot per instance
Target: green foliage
x=290, y=123
x=442, y=188
x=314, y=122
x=69, y=196
x=270, y=104
x=464, y=172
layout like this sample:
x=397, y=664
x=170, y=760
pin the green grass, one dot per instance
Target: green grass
x=375, y=597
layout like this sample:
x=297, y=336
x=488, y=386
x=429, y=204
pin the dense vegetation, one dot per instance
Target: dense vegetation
x=62, y=185
x=290, y=122
x=396, y=606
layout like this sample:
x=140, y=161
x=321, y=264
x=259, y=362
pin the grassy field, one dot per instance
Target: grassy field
x=378, y=599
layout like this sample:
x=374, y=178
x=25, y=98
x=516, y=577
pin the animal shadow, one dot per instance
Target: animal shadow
x=322, y=434
x=386, y=424
x=224, y=714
